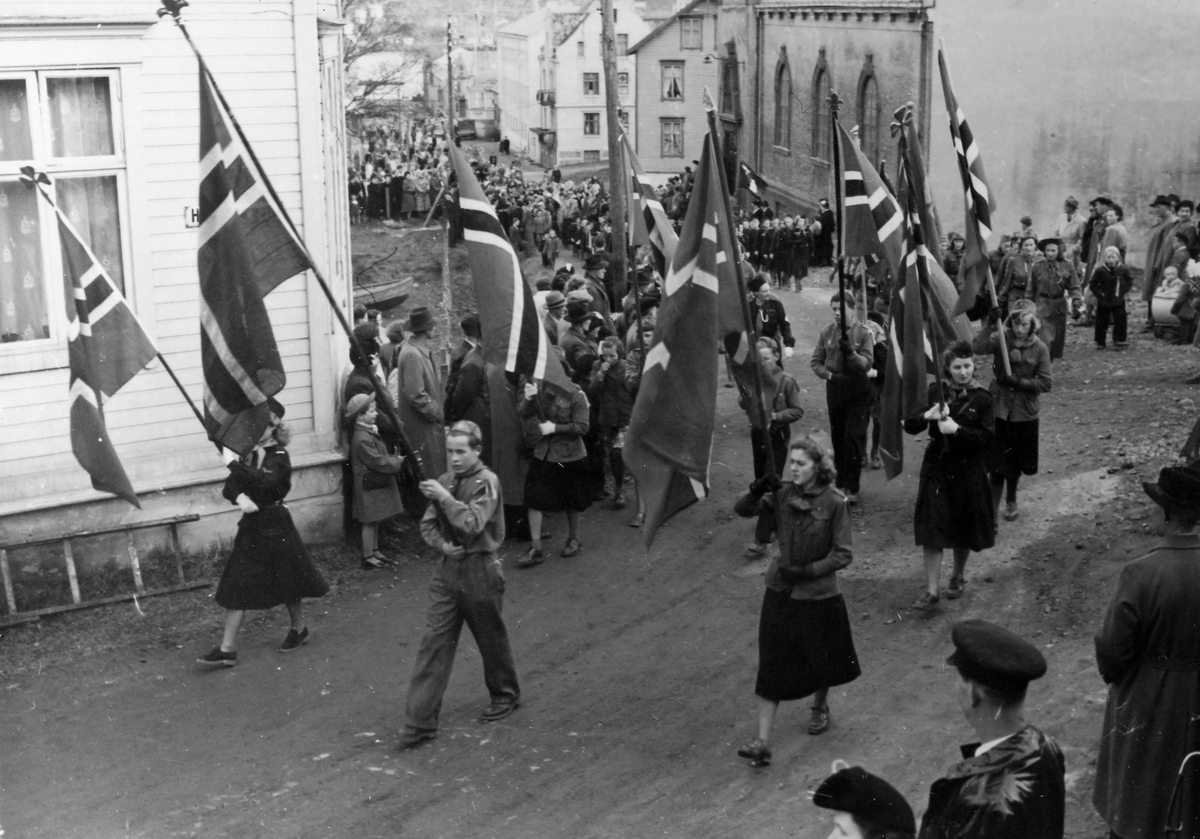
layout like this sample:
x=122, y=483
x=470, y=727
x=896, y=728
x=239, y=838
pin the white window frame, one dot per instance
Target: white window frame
x=623, y=86
x=595, y=79
x=15, y=356
x=587, y=133
x=684, y=30
x=664, y=122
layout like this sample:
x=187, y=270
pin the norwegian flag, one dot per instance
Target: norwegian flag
x=751, y=180
x=513, y=337
x=669, y=444
x=107, y=346
x=872, y=219
x=921, y=302
x=245, y=251
x=648, y=224
x=979, y=201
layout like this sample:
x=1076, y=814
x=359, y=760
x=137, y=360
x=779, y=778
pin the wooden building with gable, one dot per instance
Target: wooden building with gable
x=104, y=98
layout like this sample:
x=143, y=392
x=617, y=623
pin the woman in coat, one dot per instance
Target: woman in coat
x=1015, y=273
x=269, y=564
x=1052, y=284
x=804, y=641
x=954, y=503
x=557, y=481
x=1016, y=401
x=376, y=495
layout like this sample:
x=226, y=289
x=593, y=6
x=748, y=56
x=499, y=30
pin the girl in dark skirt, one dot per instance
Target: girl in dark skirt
x=557, y=480
x=269, y=564
x=1016, y=400
x=954, y=504
x=804, y=641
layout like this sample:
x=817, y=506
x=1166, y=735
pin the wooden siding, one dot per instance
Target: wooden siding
x=254, y=58
x=652, y=108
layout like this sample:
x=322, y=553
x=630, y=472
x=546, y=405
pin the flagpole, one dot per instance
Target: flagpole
x=172, y=8
x=747, y=321
x=631, y=254
x=929, y=326
x=834, y=103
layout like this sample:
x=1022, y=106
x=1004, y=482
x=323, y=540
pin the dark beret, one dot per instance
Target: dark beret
x=994, y=657
x=648, y=301
x=856, y=791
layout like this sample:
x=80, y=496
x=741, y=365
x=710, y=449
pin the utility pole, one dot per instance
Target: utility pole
x=451, y=133
x=618, y=189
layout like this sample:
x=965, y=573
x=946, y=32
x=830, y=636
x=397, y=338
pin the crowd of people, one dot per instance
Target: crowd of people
x=421, y=444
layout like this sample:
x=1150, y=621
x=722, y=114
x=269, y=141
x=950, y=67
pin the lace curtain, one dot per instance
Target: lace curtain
x=80, y=121
x=23, y=315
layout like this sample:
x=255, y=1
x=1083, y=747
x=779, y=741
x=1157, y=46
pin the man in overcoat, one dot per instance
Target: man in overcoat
x=1010, y=785
x=1148, y=651
x=417, y=390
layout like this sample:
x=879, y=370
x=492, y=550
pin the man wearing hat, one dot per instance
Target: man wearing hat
x=1159, y=251
x=1026, y=227
x=1069, y=229
x=556, y=307
x=416, y=389
x=865, y=806
x=580, y=350
x=1148, y=651
x=1010, y=785
x=1052, y=282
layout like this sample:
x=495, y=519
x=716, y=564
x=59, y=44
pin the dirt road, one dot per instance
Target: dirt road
x=637, y=668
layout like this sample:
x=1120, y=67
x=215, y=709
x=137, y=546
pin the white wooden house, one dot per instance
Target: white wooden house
x=104, y=98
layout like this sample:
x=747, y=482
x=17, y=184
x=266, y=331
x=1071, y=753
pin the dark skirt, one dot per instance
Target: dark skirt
x=558, y=487
x=803, y=646
x=269, y=564
x=1015, y=449
x=954, y=504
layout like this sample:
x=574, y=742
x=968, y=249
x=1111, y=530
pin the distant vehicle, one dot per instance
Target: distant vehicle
x=464, y=129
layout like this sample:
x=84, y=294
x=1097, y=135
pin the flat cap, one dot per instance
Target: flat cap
x=357, y=404
x=994, y=657
x=578, y=294
x=856, y=791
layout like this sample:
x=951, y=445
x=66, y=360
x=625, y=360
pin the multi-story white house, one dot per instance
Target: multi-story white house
x=580, y=120
x=475, y=80
x=519, y=45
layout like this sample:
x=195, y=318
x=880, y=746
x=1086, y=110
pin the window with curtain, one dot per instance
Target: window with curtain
x=672, y=137
x=591, y=84
x=591, y=124
x=869, y=118
x=622, y=43
x=66, y=125
x=783, y=105
x=823, y=124
x=672, y=80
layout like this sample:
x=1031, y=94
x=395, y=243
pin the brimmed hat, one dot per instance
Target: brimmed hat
x=357, y=404
x=1101, y=199
x=275, y=407
x=1072, y=201
x=1027, y=220
x=578, y=294
x=555, y=299
x=995, y=657
x=577, y=311
x=594, y=262
x=856, y=791
x=1050, y=240
x=648, y=301
x=1161, y=201
x=420, y=319
x=1177, y=486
